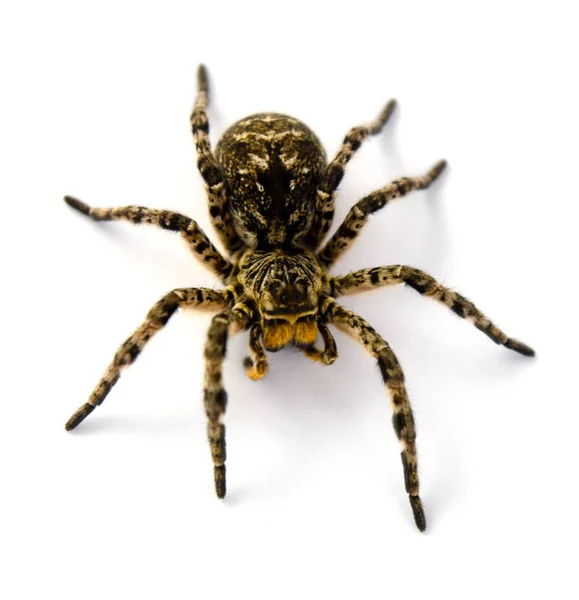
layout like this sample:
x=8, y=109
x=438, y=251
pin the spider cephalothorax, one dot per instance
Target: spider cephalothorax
x=271, y=200
x=285, y=285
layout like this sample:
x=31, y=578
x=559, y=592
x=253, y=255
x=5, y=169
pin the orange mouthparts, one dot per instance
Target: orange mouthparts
x=279, y=333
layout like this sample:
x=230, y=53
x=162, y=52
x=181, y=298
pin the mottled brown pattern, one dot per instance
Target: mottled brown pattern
x=256, y=364
x=271, y=200
x=402, y=418
x=425, y=284
x=193, y=235
x=335, y=171
x=359, y=213
x=329, y=354
x=271, y=165
x=209, y=169
x=156, y=319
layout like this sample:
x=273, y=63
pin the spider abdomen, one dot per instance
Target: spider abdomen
x=271, y=166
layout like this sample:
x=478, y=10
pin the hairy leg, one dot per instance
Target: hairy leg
x=359, y=213
x=193, y=235
x=255, y=365
x=426, y=285
x=329, y=354
x=156, y=319
x=335, y=171
x=214, y=394
x=209, y=168
x=402, y=419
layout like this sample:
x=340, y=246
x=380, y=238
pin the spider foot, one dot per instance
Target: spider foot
x=255, y=370
x=383, y=117
x=79, y=416
x=202, y=78
x=418, y=512
x=77, y=204
x=219, y=477
x=324, y=357
x=436, y=170
x=519, y=347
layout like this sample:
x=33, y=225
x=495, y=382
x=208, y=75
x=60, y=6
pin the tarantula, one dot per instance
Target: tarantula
x=271, y=200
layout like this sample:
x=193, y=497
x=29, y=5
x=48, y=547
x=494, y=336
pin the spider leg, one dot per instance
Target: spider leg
x=335, y=171
x=402, y=419
x=359, y=213
x=209, y=168
x=195, y=237
x=156, y=319
x=329, y=354
x=426, y=285
x=255, y=365
x=214, y=395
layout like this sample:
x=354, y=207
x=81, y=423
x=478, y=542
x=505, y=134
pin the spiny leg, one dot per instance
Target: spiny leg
x=426, y=285
x=195, y=237
x=209, y=168
x=156, y=319
x=335, y=171
x=329, y=354
x=255, y=365
x=359, y=213
x=402, y=419
x=214, y=395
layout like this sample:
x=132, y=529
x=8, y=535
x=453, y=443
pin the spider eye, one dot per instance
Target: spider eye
x=284, y=298
x=274, y=289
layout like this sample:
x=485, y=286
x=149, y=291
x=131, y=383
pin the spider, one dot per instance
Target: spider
x=271, y=200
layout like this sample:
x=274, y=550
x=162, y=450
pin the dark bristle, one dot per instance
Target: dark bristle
x=388, y=110
x=79, y=416
x=77, y=204
x=418, y=512
x=202, y=78
x=438, y=169
x=219, y=476
x=519, y=347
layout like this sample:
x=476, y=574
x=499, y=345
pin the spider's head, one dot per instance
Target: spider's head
x=286, y=287
x=289, y=313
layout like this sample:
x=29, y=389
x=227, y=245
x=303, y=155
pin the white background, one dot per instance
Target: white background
x=95, y=103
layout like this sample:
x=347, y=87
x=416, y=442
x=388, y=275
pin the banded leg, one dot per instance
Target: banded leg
x=255, y=365
x=209, y=168
x=214, y=395
x=426, y=285
x=359, y=213
x=156, y=319
x=329, y=354
x=402, y=419
x=193, y=235
x=335, y=171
